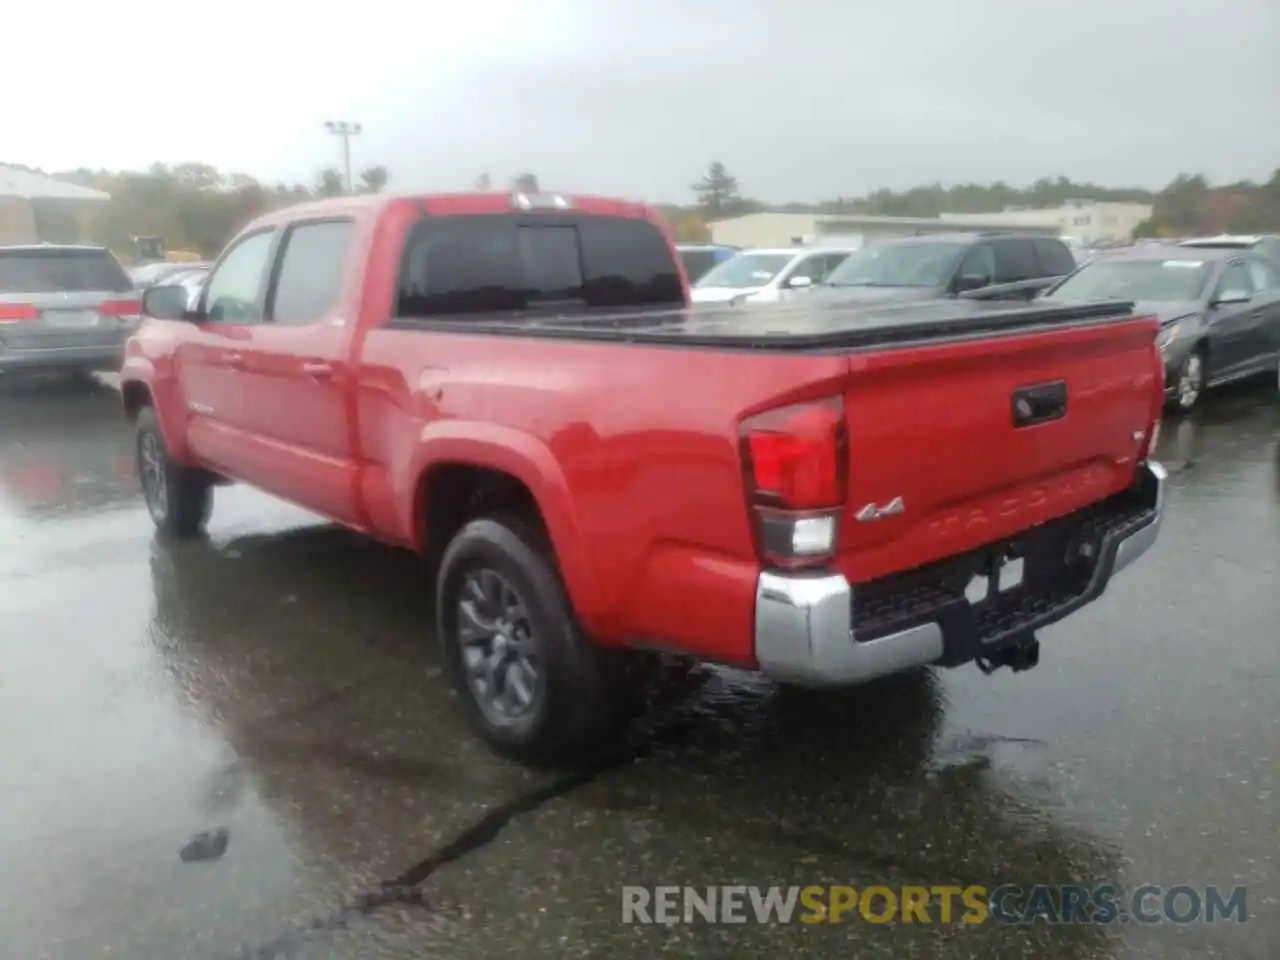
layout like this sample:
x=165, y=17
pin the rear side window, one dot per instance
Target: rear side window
x=312, y=267
x=1015, y=260
x=59, y=270
x=1055, y=259
x=485, y=264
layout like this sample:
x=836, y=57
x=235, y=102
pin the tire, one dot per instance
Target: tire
x=1191, y=372
x=522, y=640
x=179, y=498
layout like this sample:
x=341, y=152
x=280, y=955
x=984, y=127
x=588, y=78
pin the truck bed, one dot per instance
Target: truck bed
x=787, y=327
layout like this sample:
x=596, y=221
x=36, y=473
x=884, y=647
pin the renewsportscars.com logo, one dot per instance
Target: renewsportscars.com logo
x=1008, y=904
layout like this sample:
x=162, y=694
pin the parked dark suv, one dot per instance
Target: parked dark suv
x=983, y=266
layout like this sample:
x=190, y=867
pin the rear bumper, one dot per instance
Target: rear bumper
x=820, y=630
x=107, y=357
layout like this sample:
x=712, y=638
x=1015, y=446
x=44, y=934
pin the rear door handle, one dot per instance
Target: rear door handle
x=235, y=360
x=320, y=369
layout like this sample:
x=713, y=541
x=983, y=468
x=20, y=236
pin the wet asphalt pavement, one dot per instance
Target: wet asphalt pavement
x=279, y=681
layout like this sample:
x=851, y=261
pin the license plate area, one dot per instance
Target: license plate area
x=1060, y=563
x=70, y=319
x=1000, y=573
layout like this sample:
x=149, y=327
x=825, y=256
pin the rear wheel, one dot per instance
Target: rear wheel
x=1189, y=386
x=179, y=498
x=532, y=684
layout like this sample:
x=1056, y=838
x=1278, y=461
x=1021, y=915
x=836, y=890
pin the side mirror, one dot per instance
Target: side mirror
x=1232, y=296
x=800, y=283
x=971, y=281
x=165, y=302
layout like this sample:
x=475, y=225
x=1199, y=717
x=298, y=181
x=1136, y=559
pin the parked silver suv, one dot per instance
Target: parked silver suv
x=64, y=307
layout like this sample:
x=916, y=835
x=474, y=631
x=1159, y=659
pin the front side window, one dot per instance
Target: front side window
x=232, y=293
x=312, y=268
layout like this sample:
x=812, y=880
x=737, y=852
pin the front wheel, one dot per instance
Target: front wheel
x=178, y=498
x=530, y=681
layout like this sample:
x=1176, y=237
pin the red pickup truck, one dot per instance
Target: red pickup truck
x=515, y=387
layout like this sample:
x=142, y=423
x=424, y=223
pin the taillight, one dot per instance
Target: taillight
x=15, y=312
x=795, y=460
x=121, y=309
x=1153, y=438
x=1148, y=449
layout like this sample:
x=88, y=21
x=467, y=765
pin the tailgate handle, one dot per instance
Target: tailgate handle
x=1039, y=404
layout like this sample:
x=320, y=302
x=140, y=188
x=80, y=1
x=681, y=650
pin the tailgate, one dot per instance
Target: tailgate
x=952, y=446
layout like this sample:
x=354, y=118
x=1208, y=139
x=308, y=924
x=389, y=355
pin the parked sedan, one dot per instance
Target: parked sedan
x=767, y=275
x=64, y=307
x=1219, y=310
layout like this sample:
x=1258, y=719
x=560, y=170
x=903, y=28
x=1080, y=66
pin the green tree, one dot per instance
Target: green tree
x=329, y=183
x=525, y=183
x=197, y=176
x=373, y=179
x=717, y=192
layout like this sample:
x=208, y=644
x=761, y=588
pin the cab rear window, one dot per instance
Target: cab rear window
x=59, y=270
x=501, y=263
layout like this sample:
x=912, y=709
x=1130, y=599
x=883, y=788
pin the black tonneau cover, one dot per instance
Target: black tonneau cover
x=786, y=327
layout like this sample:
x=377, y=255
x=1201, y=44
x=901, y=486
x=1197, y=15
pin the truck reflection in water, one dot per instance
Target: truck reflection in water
x=65, y=450
x=312, y=654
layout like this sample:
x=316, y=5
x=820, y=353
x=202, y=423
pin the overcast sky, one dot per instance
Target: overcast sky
x=801, y=99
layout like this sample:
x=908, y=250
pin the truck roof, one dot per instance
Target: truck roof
x=786, y=328
x=455, y=204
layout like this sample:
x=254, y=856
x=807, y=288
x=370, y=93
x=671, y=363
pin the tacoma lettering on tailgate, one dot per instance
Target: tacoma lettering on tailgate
x=1061, y=494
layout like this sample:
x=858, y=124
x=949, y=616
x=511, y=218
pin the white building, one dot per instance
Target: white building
x=846, y=230
x=1087, y=220
x=21, y=190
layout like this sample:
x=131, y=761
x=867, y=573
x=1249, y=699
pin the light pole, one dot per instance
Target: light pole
x=345, y=129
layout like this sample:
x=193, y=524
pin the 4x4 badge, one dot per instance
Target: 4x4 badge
x=873, y=512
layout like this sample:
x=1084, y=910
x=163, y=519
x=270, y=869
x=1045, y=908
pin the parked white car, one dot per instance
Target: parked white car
x=767, y=275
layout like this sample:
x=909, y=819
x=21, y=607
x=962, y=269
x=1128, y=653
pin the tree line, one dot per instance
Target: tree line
x=1187, y=205
x=194, y=206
